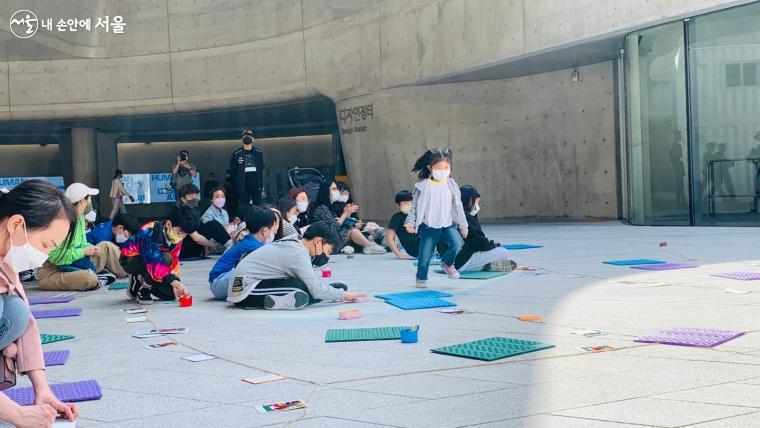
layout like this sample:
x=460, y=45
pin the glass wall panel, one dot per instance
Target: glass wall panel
x=724, y=52
x=657, y=140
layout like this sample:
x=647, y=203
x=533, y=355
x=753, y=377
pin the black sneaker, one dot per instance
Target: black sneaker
x=290, y=301
x=144, y=297
x=135, y=283
x=105, y=278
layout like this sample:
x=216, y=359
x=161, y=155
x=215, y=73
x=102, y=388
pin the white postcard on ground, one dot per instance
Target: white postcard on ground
x=199, y=357
x=133, y=311
x=144, y=334
x=139, y=318
x=270, y=377
x=588, y=333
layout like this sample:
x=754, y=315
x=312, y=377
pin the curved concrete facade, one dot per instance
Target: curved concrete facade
x=539, y=145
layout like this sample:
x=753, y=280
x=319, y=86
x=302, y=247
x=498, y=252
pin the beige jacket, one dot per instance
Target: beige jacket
x=117, y=189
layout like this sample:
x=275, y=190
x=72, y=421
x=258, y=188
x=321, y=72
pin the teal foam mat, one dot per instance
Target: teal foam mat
x=50, y=338
x=362, y=334
x=477, y=274
x=492, y=348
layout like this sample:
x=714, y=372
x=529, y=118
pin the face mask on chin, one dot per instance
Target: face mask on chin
x=292, y=219
x=334, y=195
x=91, y=216
x=192, y=203
x=343, y=198
x=302, y=206
x=173, y=237
x=24, y=257
x=405, y=209
x=121, y=238
x=475, y=210
x=270, y=237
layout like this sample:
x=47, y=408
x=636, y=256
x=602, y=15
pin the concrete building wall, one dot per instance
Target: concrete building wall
x=533, y=146
x=30, y=160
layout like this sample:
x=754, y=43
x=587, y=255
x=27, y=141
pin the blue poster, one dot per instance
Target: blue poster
x=11, y=182
x=161, y=190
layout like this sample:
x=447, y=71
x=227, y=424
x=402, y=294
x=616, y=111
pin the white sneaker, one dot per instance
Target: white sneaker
x=451, y=271
x=420, y=283
x=348, y=250
x=375, y=249
x=290, y=301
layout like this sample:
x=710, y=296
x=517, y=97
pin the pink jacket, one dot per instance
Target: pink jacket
x=29, y=356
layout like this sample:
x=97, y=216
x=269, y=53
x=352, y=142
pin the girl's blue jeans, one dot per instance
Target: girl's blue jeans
x=429, y=237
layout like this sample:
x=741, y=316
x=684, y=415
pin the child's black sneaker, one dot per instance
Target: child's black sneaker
x=105, y=278
x=290, y=301
x=144, y=297
x=135, y=283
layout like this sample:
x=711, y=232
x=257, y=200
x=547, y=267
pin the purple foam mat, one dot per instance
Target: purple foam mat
x=744, y=276
x=665, y=266
x=57, y=313
x=56, y=358
x=699, y=337
x=85, y=390
x=47, y=300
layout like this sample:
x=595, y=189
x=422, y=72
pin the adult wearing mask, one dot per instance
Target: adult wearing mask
x=117, y=194
x=118, y=230
x=247, y=171
x=35, y=217
x=321, y=210
x=183, y=171
x=302, y=202
x=76, y=265
x=210, y=237
x=289, y=211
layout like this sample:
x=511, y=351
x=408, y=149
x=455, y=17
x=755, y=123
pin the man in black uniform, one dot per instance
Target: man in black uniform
x=247, y=172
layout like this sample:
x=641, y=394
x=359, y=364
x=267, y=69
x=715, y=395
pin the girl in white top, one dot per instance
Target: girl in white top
x=436, y=213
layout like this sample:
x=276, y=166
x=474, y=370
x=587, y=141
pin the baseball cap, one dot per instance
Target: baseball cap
x=246, y=132
x=78, y=191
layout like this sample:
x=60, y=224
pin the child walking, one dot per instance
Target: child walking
x=436, y=213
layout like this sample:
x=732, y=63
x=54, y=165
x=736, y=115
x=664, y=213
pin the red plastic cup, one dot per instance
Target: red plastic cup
x=326, y=273
x=186, y=301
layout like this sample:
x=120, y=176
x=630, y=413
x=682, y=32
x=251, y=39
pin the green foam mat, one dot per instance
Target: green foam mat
x=492, y=348
x=362, y=334
x=118, y=285
x=477, y=274
x=50, y=338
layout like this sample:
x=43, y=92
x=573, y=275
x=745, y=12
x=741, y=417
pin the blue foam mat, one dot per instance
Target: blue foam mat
x=419, y=303
x=521, y=246
x=414, y=295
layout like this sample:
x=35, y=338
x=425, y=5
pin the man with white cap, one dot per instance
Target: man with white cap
x=76, y=265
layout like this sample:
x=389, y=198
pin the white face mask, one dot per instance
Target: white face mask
x=475, y=209
x=343, y=198
x=292, y=219
x=120, y=238
x=24, y=257
x=441, y=174
x=91, y=216
x=334, y=195
x=302, y=206
x=270, y=238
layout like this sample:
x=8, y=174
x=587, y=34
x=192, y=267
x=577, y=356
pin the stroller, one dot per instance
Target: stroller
x=308, y=179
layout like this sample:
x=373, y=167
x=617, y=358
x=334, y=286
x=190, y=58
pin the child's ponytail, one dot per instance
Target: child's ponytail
x=430, y=158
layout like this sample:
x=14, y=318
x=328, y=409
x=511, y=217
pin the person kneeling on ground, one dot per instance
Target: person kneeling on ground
x=116, y=231
x=262, y=224
x=152, y=257
x=479, y=253
x=281, y=275
x=410, y=242
x=76, y=265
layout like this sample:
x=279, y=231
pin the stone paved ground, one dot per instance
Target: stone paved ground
x=387, y=383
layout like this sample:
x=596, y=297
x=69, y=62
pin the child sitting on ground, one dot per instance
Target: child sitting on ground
x=410, y=242
x=151, y=257
x=479, y=253
x=261, y=224
x=281, y=275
